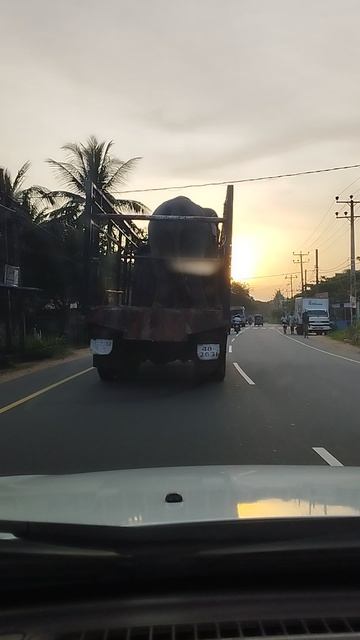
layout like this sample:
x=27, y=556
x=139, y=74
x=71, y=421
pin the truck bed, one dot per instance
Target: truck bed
x=157, y=324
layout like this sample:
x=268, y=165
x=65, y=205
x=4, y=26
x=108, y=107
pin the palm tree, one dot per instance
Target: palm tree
x=89, y=163
x=14, y=196
x=10, y=190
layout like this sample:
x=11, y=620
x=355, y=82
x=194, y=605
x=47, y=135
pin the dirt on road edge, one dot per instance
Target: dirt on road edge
x=22, y=369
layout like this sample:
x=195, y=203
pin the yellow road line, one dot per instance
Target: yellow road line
x=8, y=407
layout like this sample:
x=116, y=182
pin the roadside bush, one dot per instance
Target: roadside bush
x=354, y=334
x=37, y=348
x=350, y=334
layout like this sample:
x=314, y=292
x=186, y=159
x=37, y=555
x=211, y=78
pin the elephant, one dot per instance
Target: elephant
x=176, y=247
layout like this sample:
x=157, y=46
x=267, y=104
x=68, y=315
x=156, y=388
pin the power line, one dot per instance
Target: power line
x=331, y=206
x=331, y=232
x=241, y=180
x=320, y=238
x=343, y=264
x=286, y=273
x=272, y=275
x=335, y=236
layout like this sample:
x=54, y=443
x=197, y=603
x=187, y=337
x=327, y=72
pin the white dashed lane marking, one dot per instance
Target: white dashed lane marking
x=243, y=374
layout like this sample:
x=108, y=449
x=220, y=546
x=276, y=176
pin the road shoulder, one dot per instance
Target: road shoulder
x=336, y=347
x=23, y=369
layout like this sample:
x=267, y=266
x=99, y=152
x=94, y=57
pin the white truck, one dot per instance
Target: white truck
x=318, y=310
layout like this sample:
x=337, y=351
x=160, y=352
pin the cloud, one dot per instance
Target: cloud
x=201, y=90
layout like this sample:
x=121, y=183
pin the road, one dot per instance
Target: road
x=285, y=400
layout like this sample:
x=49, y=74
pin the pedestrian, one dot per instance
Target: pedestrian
x=305, y=319
x=284, y=322
x=292, y=323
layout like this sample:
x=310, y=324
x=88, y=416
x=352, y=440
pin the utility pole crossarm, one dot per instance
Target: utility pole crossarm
x=301, y=262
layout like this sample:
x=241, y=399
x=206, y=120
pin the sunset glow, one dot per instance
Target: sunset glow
x=244, y=258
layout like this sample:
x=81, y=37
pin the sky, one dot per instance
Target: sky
x=202, y=90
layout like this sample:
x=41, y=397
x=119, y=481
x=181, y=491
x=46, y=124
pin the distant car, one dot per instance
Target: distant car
x=258, y=320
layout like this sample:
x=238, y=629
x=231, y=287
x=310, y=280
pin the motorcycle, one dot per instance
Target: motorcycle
x=285, y=326
x=237, y=327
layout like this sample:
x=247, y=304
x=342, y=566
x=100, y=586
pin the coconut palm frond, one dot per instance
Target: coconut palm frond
x=106, y=159
x=68, y=173
x=20, y=177
x=75, y=154
x=131, y=205
x=120, y=174
x=6, y=190
x=68, y=212
x=64, y=195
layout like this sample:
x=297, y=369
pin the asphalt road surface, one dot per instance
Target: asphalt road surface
x=285, y=400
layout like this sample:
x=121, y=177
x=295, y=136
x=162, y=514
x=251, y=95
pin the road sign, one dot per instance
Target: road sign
x=11, y=275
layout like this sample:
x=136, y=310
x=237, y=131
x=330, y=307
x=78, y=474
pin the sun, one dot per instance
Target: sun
x=243, y=262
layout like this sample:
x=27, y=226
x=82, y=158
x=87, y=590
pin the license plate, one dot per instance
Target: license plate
x=101, y=346
x=208, y=351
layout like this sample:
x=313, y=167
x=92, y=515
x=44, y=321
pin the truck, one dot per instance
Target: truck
x=131, y=330
x=318, y=310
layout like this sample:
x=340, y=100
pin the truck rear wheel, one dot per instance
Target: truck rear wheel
x=219, y=374
x=107, y=375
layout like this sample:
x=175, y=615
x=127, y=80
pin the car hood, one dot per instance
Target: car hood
x=137, y=497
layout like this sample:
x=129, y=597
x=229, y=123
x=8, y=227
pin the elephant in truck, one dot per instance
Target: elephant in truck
x=184, y=253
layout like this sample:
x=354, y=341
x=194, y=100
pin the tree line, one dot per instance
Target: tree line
x=51, y=222
x=42, y=234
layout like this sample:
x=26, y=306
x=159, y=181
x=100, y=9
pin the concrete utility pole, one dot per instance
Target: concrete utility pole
x=351, y=202
x=317, y=266
x=305, y=281
x=291, y=277
x=301, y=262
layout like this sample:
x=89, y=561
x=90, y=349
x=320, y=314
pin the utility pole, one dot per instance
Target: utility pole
x=301, y=262
x=351, y=202
x=317, y=267
x=291, y=277
x=305, y=281
x=87, y=246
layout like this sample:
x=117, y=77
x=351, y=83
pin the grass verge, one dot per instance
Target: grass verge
x=350, y=334
x=36, y=349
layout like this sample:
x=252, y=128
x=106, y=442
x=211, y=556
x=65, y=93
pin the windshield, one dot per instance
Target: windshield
x=179, y=199
x=317, y=313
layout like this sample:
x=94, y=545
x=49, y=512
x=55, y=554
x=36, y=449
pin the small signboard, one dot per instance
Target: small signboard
x=11, y=275
x=353, y=302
